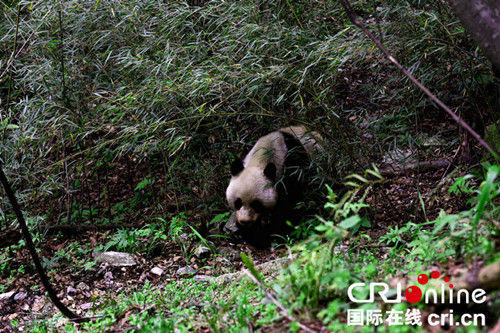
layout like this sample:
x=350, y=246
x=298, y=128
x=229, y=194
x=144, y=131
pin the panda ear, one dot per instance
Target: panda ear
x=236, y=167
x=270, y=171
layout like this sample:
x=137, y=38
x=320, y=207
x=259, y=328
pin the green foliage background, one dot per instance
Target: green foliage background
x=183, y=87
x=119, y=111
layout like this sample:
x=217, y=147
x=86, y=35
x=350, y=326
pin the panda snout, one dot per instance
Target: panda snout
x=248, y=221
x=245, y=224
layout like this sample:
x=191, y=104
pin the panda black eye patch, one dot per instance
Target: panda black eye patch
x=257, y=206
x=238, y=203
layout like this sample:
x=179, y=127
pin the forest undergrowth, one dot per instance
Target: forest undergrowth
x=119, y=120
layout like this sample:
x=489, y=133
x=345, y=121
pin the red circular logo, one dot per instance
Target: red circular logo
x=423, y=279
x=413, y=294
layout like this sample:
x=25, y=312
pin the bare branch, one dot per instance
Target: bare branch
x=421, y=166
x=357, y=22
x=34, y=255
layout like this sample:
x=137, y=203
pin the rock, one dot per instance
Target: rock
x=266, y=268
x=184, y=238
x=157, y=271
x=203, y=278
x=38, y=304
x=115, y=258
x=230, y=253
x=273, y=266
x=86, y=306
x=82, y=286
x=6, y=296
x=266, y=301
x=20, y=296
x=231, y=228
x=71, y=291
x=202, y=251
x=229, y=277
x=108, y=278
x=188, y=270
x=399, y=158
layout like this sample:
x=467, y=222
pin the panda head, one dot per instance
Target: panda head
x=251, y=193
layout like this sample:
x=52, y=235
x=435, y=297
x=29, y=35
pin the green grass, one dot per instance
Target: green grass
x=313, y=286
x=183, y=305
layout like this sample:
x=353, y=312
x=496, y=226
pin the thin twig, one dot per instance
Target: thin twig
x=281, y=308
x=451, y=162
x=357, y=22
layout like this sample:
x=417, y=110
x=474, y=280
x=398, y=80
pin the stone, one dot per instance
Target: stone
x=399, y=158
x=267, y=268
x=113, y=258
x=108, y=277
x=202, y=251
x=82, y=286
x=229, y=253
x=86, y=306
x=231, y=227
x=266, y=300
x=203, y=278
x=71, y=291
x=188, y=270
x=20, y=296
x=6, y=296
x=157, y=271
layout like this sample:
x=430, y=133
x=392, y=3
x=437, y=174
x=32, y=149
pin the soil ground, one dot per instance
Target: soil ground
x=394, y=203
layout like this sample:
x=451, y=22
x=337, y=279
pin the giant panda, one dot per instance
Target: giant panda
x=266, y=185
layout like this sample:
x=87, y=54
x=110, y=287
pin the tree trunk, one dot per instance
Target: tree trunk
x=481, y=18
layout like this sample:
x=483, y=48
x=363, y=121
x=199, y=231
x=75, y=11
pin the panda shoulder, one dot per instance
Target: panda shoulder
x=268, y=148
x=310, y=140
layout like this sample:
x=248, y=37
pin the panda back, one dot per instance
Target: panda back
x=269, y=148
x=288, y=146
x=310, y=140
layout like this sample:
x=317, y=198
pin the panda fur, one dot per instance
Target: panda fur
x=269, y=181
